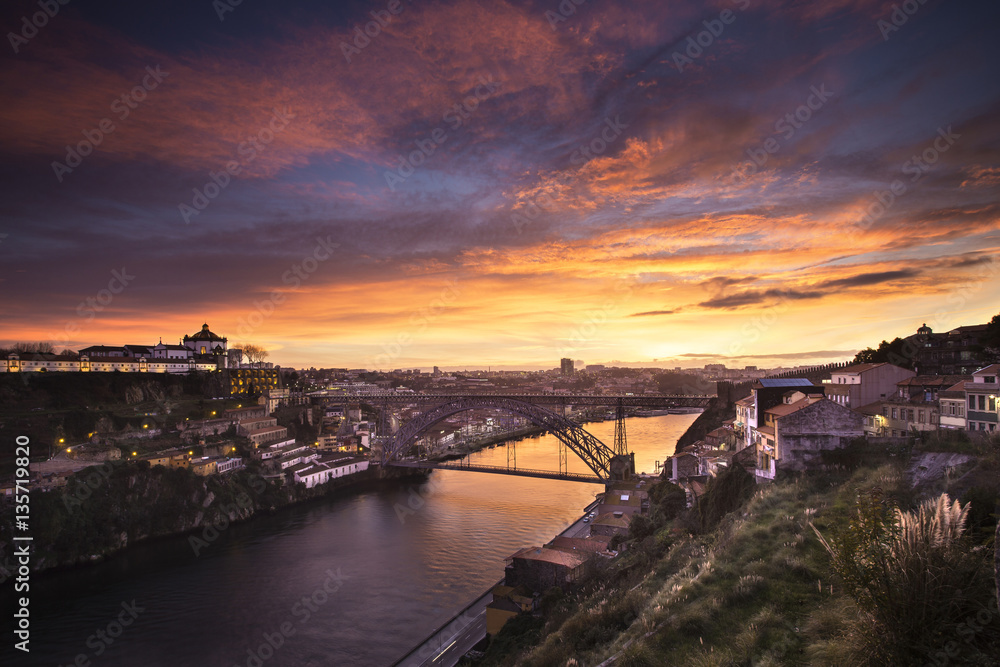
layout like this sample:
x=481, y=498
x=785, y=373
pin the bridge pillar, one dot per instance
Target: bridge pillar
x=621, y=443
x=622, y=467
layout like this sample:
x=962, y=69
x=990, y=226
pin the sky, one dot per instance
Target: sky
x=397, y=184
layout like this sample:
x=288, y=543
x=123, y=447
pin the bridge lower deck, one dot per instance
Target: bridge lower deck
x=500, y=470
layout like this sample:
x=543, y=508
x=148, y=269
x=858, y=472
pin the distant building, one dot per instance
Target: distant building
x=799, y=429
x=507, y=603
x=95, y=351
x=611, y=524
x=767, y=393
x=861, y=384
x=566, y=366
x=320, y=471
x=539, y=568
x=981, y=399
x=205, y=342
x=956, y=352
x=204, y=466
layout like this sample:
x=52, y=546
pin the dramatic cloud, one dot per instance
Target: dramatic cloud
x=622, y=184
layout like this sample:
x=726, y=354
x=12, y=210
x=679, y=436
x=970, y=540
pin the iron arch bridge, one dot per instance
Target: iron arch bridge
x=599, y=457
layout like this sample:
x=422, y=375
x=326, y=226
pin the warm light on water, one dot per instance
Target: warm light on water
x=401, y=573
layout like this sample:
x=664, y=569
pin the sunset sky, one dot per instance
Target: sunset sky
x=497, y=183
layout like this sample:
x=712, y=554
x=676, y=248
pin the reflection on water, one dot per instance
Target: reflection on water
x=357, y=580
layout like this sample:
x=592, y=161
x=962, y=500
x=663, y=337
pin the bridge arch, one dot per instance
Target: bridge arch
x=594, y=453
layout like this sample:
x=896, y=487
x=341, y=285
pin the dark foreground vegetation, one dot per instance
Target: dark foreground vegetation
x=849, y=566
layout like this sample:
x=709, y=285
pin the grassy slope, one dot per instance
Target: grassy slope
x=756, y=590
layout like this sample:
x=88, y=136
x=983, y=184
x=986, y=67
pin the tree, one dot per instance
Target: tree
x=235, y=357
x=33, y=348
x=990, y=340
x=899, y=352
x=255, y=354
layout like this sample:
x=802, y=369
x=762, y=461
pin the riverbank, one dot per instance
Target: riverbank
x=104, y=511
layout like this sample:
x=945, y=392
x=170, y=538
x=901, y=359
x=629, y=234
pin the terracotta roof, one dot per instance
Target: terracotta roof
x=933, y=380
x=783, y=409
x=504, y=604
x=266, y=429
x=578, y=544
x=554, y=556
x=871, y=409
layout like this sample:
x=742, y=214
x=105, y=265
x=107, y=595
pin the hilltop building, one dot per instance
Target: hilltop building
x=956, y=352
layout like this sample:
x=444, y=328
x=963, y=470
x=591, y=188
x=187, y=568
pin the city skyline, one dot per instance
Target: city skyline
x=477, y=184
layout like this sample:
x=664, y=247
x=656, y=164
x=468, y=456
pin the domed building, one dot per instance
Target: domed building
x=205, y=342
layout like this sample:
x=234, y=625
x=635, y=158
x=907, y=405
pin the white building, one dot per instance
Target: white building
x=323, y=470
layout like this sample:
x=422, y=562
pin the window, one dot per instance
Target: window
x=982, y=403
x=972, y=402
x=920, y=417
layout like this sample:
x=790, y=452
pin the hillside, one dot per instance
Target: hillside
x=756, y=586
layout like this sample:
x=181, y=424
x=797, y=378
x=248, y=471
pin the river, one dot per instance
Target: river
x=354, y=580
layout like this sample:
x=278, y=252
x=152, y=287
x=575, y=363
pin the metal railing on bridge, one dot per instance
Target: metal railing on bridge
x=500, y=470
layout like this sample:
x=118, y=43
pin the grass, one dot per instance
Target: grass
x=757, y=589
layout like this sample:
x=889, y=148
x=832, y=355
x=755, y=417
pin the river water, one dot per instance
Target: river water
x=354, y=580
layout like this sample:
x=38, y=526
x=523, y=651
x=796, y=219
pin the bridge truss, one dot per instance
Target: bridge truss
x=600, y=458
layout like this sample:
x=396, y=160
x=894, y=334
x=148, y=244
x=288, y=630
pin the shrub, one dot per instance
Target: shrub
x=725, y=493
x=913, y=576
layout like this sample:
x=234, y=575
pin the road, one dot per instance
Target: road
x=451, y=642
